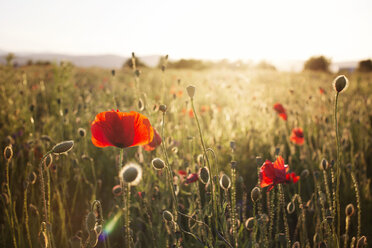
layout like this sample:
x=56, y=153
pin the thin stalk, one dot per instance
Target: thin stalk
x=286, y=227
x=209, y=166
x=338, y=172
x=10, y=203
x=26, y=218
x=355, y=183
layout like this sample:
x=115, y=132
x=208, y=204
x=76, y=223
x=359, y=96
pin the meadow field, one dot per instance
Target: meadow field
x=216, y=179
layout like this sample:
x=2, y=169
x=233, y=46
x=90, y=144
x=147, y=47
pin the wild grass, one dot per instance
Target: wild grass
x=222, y=124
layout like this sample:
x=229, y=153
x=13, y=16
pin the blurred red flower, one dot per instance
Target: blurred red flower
x=297, y=136
x=272, y=174
x=191, y=178
x=156, y=141
x=121, y=129
x=321, y=91
x=280, y=110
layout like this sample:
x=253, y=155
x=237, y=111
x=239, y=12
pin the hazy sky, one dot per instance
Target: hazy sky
x=260, y=29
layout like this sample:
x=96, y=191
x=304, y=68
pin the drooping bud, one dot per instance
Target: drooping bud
x=48, y=161
x=167, y=216
x=362, y=242
x=304, y=173
x=63, y=147
x=249, y=224
x=255, y=194
x=90, y=221
x=191, y=91
x=291, y=207
x=349, y=210
x=117, y=190
x=340, y=83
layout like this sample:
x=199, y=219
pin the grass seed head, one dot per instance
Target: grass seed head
x=341, y=83
x=63, y=147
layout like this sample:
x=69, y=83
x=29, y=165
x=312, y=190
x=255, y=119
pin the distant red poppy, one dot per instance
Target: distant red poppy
x=121, y=129
x=191, y=178
x=280, y=110
x=156, y=141
x=272, y=174
x=182, y=173
x=321, y=91
x=189, y=112
x=297, y=136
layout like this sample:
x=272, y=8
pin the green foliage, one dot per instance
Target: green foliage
x=365, y=65
x=320, y=63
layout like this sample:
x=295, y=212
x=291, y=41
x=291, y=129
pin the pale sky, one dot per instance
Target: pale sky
x=208, y=29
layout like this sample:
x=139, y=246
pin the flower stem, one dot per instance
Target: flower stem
x=338, y=172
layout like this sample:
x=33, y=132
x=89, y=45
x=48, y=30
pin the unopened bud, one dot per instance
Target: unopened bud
x=63, y=147
x=255, y=194
x=340, y=83
x=225, y=182
x=349, y=210
x=168, y=216
x=8, y=153
x=163, y=108
x=158, y=164
x=191, y=91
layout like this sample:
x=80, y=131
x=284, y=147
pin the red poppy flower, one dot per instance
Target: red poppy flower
x=321, y=91
x=121, y=129
x=191, y=178
x=156, y=141
x=297, y=136
x=272, y=174
x=280, y=110
x=182, y=173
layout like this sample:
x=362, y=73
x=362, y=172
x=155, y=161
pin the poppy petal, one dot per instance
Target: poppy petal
x=156, y=141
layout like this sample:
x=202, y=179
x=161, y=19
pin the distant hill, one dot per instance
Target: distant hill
x=104, y=61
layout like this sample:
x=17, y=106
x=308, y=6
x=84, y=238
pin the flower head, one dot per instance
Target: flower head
x=275, y=173
x=280, y=110
x=297, y=136
x=121, y=129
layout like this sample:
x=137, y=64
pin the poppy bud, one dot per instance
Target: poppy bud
x=277, y=150
x=349, y=210
x=291, y=207
x=113, y=73
x=249, y=224
x=296, y=245
x=324, y=164
x=158, y=164
x=191, y=91
x=63, y=147
x=255, y=194
x=340, y=83
x=90, y=221
x=304, y=173
x=82, y=132
x=167, y=216
x=163, y=108
x=204, y=175
x=233, y=164
x=332, y=163
x=141, y=105
x=362, y=242
x=200, y=159
x=131, y=173
x=117, y=190
x=8, y=153
x=232, y=145
x=225, y=181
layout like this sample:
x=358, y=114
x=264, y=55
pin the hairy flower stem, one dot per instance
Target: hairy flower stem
x=25, y=209
x=215, y=224
x=338, y=171
x=10, y=204
x=127, y=217
x=233, y=206
x=169, y=170
x=286, y=227
x=44, y=200
x=355, y=183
